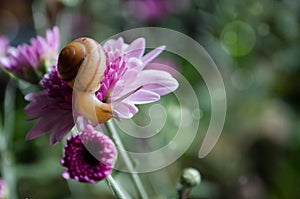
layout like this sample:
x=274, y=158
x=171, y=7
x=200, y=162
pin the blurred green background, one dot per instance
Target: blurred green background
x=256, y=46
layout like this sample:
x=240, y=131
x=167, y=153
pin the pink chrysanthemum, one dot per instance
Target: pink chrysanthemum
x=89, y=156
x=126, y=82
x=30, y=62
x=53, y=107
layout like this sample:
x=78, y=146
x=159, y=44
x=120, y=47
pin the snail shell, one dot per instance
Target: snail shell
x=82, y=64
x=82, y=60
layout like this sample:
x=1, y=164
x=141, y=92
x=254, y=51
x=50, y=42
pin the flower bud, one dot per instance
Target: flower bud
x=83, y=166
x=190, y=177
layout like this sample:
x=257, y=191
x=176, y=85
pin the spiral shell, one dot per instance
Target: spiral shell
x=82, y=60
x=70, y=59
x=82, y=64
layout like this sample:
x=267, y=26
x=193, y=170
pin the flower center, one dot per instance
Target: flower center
x=89, y=158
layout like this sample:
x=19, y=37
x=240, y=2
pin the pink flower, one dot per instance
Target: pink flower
x=89, y=156
x=30, y=62
x=126, y=82
x=52, y=106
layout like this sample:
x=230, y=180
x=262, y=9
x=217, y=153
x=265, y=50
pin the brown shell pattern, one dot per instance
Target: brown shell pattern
x=70, y=59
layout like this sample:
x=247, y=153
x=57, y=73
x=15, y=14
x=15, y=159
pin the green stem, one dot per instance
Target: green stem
x=184, y=193
x=6, y=135
x=115, y=136
x=114, y=187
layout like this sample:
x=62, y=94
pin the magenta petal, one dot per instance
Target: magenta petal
x=25, y=56
x=53, y=38
x=136, y=48
x=39, y=103
x=28, y=61
x=88, y=157
x=53, y=108
x=126, y=82
x=58, y=126
x=60, y=129
x=39, y=44
x=42, y=126
x=40, y=95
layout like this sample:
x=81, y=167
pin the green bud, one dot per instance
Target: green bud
x=190, y=177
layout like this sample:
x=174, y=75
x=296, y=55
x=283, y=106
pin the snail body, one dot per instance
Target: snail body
x=81, y=64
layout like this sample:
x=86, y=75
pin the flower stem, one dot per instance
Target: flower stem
x=115, y=136
x=114, y=187
x=7, y=166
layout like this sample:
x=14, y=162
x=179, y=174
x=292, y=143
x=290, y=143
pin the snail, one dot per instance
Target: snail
x=81, y=64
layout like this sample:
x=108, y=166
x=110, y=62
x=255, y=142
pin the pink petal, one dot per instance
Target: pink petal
x=136, y=48
x=161, y=90
x=163, y=81
x=4, y=61
x=55, y=121
x=143, y=97
x=114, y=44
x=52, y=37
x=41, y=127
x=165, y=65
x=122, y=84
x=156, y=81
x=152, y=54
x=60, y=129
x=134, y=63
x=124, y=110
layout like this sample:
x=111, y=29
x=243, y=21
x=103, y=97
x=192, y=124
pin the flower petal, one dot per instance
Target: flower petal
x=89, y=156
x=156, y=81
x=61, y=128
x=124, y=110
x=152, y=55
x=27, y=61
x=143, y=97
x=53, y=107
x=42, y=126
x=134, y=63
x=136, y=48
